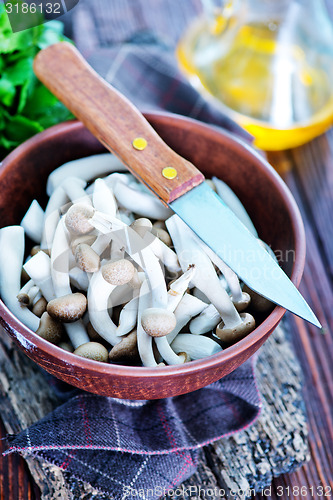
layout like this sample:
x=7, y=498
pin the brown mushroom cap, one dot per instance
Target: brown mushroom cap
x=242, y=304
x=93, y=335
x=68, y=308
x=77, y=219
x=232, y=335
x=126, y=349
x=88, y=239
x=163, y=235
x=50, y=329
x=23, y=299
x=92, y=350
x=119, y=272
x=258, y=302
x=158, y=322
x=40, y=307
x=141, y=226
x=87, y=259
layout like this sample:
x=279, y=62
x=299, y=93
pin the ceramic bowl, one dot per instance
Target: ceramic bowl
x=269, y=203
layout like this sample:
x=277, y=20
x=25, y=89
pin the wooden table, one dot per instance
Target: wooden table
x=308, y=171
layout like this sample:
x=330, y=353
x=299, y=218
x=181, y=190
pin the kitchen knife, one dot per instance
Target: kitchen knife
x=117, y=123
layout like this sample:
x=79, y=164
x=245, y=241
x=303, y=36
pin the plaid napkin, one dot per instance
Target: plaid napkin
x=141, y=448
x=125, y=447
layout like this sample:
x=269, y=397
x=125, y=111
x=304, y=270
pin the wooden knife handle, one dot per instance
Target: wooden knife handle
x=114, y=120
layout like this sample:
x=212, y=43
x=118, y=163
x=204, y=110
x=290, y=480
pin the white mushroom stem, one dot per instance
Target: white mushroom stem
x=162, y=252
x=117, y=251
x=103, y=198
x=61, y=282
x=101, y=243
x=120, y=295
x=33, y=221
x=229, y=275
x=88, y=168
x=234, y=203
x=99, y=292
x=207, y=320
x=128, y=314
x=39, y=270
x=60, y=260
x=196, y=346
x=74, y=188
x=128, y=317
x=11, y=259
x=167, y=352
x=136, y=249
x=52, y=215
x=145, y=341
x=144, y=204
x=178, y=288
x=188, y=307
x=205, y=278
x=79, y=278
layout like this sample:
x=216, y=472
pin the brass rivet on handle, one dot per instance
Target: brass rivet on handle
x=139, y=143
x=169, y=173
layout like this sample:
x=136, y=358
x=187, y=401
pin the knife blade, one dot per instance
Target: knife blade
x=178, y=183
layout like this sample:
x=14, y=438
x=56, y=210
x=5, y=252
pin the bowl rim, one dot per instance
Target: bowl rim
x=30, y=340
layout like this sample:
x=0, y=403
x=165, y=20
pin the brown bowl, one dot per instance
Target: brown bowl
x=270, y=205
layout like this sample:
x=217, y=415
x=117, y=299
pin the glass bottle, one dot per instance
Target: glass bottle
x=267, y=63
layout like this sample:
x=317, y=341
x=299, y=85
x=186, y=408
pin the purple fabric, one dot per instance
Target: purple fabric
x=119, y=445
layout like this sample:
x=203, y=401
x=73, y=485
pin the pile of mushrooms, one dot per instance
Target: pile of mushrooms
x=116, y=277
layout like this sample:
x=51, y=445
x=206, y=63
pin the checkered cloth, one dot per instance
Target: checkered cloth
x=122, y=447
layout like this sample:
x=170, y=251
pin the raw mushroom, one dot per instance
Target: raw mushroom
x=142, y=203
x=128, y=314
x=50, y=329
x=32, y=222
x=78, y=217
x=51, y=216
x=127, y=349
x=187, y=308
x=89, y=168
x=100, y=288
x=158, y=322
x=232, y=335
x=205, y=278
x=68, y=308
x=11, y=259
x=145, y=345
x=141, y=254
x=39, y=269
x=178, y=288
x=240, y=299
x=39, y=307
x=195, y=346
x=28, y=293
x=87, y=259
x=61, y=282
x=208, y=319
x=103, y=198
x=92, y=350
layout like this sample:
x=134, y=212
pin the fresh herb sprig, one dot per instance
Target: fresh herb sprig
x=26, y=106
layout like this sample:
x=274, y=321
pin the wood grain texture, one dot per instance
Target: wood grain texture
x=113, y=120
x=248, y=460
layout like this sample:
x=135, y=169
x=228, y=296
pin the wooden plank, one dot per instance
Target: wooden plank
x=247, y=460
